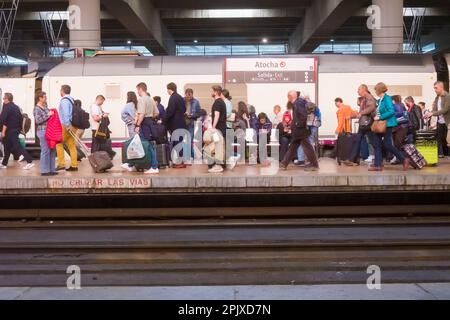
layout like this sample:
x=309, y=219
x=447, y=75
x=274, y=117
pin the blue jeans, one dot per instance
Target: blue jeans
x=312, y=141
x=151, y=151
x=131, y=132
x=48, y=156
x=385, y=140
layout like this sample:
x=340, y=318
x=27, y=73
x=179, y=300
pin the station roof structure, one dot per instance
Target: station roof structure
x=301, y=25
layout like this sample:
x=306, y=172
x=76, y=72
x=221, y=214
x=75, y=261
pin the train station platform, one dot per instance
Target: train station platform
x=413, y=291
x=243, y=179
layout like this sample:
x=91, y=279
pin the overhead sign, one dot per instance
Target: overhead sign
x=270, y=70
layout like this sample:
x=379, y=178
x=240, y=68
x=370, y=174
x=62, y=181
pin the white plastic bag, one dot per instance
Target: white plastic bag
x=135, y=149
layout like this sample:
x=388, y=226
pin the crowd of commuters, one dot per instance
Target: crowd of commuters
x=295, y=130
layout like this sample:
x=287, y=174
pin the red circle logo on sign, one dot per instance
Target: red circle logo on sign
x=283, y=64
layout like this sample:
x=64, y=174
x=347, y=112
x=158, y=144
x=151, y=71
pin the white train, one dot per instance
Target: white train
x=336, y=76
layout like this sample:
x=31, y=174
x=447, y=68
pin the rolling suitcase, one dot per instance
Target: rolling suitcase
x=140, y=164
x=344, y=147
x=427, y=146
x=163, y=155
x=417, y=160
x=159, y=133
x=100, y=161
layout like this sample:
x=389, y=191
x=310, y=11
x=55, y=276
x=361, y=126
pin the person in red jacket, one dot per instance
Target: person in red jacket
x=42, y=115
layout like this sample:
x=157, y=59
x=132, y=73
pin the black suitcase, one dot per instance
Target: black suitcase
x=162, y=154
x=159, y=133
x=100, y=161
x=344, y=147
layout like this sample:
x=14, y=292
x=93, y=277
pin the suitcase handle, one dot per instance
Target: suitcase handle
x=80, y=143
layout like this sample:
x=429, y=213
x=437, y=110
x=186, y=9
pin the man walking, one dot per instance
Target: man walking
x=11, y=119
x=300, y=134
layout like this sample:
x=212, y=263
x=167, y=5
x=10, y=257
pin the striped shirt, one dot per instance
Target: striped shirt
x=41, y=117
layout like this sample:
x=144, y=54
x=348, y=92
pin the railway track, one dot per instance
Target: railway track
x=167, y=252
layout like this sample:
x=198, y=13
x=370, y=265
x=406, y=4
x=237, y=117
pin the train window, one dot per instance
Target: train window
x=112, y=91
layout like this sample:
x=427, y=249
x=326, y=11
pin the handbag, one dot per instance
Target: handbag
x=102, y=133
x=366, y=121
x=379, y=126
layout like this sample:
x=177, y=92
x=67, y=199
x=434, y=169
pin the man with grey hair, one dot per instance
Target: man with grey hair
x=300, y=134
x=441, y=109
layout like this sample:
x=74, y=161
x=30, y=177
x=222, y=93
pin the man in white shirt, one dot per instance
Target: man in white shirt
x=96, y=116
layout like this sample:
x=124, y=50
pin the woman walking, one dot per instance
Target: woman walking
x=385, y=112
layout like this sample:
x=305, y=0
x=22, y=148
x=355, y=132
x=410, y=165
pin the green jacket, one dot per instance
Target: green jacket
x=445, y=111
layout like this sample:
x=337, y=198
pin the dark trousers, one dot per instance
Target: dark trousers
x=442, y=139
x=378, y=141
x=102, y=145
x=356, y=151
x=307, y=148
x=400, y=135
x=284, y=146
x=12, y=146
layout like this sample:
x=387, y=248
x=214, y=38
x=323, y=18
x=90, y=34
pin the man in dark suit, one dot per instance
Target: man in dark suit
x=174, y=118
x=300, y=134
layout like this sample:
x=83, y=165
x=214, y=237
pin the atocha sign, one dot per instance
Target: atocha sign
x=270, y=70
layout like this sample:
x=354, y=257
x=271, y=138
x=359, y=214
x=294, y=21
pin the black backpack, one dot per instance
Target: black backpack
x=26, y=124
x=80, y=118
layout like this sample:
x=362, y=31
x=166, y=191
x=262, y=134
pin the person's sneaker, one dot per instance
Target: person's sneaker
x=54, y=173
x=29, y=166
x=311, y=169
x=283, y=167
x=125, y=166
x=152, y=171
x=72, y=169
x=132, y=169
x=46, y=174
x=3, y=167
x=370, y=159
x=21, y=158
x=216, y=169
x=60, y=168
